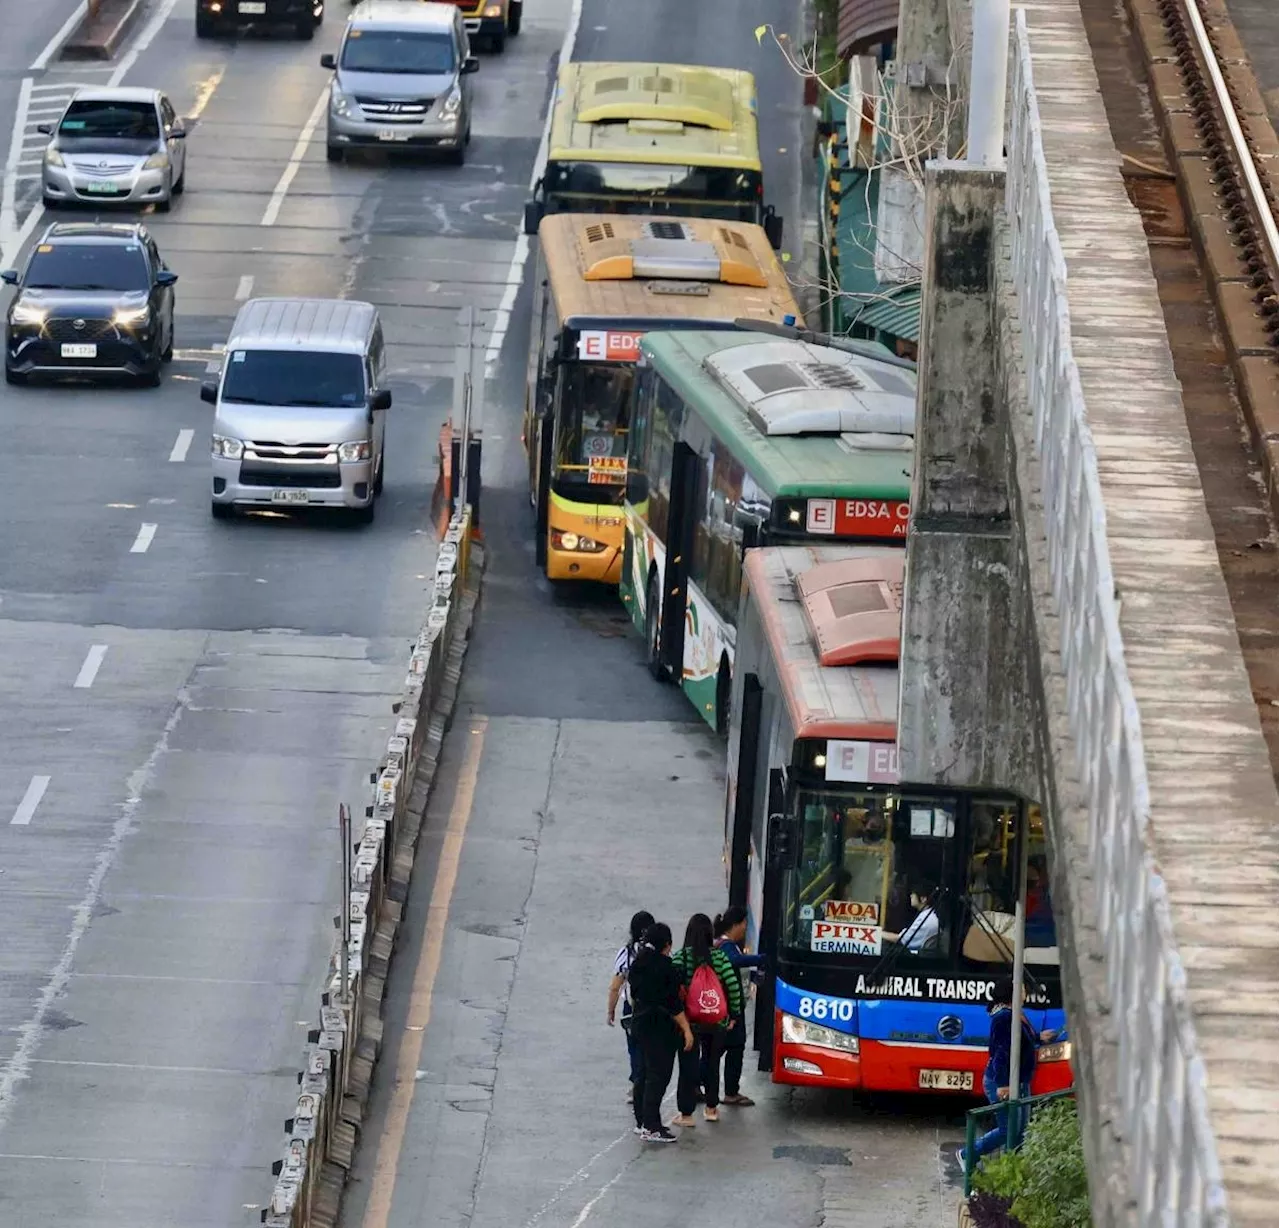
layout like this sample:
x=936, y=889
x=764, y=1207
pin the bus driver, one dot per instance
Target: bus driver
x=922, y=933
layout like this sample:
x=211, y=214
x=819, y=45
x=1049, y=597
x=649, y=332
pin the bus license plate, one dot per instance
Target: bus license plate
x=947, y=1080
x=252, y=7
x=79, y=351
x=290, y=496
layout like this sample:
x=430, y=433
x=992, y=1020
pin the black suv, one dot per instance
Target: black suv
x=94, y=298
x=214, y=17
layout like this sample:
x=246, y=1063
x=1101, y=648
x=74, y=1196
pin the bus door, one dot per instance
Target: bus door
x=744, y=802
x=544, y=443
x=681, y=521
x=779, y=851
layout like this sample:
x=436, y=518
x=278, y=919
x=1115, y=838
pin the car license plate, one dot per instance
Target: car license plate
x=947, y=1080
x=391, y=134
x=79, y=351
x=105, y=186
x=290, y=496
x=253, y=6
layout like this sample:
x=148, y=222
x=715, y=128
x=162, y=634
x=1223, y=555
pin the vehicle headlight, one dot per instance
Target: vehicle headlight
x=24, y=313
x=232, y=449
x=157, y=162
x=53, y=157
x=339, y=103
x=1059, y=1051
x=797, y=1031
x=493, y=10
x=356, y=450
x=576, y=542
x=131, y=317
x=452, y=103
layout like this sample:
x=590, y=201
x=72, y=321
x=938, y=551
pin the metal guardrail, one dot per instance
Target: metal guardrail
x=1175, y=1173
x=1019, y=1104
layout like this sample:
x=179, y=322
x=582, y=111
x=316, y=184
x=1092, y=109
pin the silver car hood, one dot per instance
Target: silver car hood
x=291, y=425
x=394, y=85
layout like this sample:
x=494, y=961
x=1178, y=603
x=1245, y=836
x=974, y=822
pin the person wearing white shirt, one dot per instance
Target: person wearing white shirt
x=926, y=925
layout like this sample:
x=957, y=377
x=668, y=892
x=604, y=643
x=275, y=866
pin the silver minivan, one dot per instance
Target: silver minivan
x=400, y=80
x=301, y=406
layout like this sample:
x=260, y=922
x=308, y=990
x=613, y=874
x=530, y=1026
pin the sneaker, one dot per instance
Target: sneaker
x=661, y=1135
x=712, y=1114
x=960, y=1158
x=683, y=1119
x=638, y=1130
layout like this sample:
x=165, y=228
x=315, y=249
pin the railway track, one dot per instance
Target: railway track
x=1199, y=157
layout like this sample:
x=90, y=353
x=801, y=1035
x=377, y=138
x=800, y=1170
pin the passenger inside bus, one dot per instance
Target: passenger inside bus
x=595, y=400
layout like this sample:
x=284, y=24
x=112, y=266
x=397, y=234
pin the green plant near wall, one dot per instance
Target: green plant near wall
x=1045, y=1181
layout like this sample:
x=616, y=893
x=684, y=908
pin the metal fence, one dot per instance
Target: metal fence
x=1175, y=1174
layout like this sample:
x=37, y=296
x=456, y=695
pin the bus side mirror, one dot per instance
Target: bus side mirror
x=773, y=229
x=532, y=216
x=781, y=840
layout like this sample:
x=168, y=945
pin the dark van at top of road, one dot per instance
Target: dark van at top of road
x=215, y=17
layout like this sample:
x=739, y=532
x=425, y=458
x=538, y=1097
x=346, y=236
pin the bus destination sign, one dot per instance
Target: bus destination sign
x=857, y=517
x=863, y=763
x=601, y=345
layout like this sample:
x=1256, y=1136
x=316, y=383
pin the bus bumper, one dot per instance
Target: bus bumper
x=811, y=1066
x=600, y=566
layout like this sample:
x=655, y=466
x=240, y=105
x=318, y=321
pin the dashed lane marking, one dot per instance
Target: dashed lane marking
x=179, y=452
x=30, y=800
x=244, y=288
x=141, y=543
x=89, y=670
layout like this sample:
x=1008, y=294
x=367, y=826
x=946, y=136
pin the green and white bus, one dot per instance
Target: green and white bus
x=740, y=440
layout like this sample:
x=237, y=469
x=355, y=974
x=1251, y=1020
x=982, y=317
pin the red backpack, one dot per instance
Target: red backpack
x=706, y=1003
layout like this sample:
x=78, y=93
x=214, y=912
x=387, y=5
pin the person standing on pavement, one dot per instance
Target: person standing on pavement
x=700, y=951
x=996, y=1081
x=730, y=935
x=660, y=1028
x=618, y=987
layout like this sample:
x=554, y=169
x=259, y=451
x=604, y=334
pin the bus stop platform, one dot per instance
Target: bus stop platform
x=500, y=1095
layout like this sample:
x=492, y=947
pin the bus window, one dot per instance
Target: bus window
x=595, y=400
x=668, y=412
x=862, y=857
x=992, y=887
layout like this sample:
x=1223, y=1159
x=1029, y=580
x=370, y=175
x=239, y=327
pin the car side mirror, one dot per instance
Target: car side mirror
x=45, y=129
x=166, y=277
x=329, y=60
x=773, y=230
x=532, y=216
x=471, y=64
x=381, y=399
x=209, y=391
x=178, y=130
x=9, y=277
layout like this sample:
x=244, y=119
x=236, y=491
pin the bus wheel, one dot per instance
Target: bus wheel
x=653, y=632
x=724, y=693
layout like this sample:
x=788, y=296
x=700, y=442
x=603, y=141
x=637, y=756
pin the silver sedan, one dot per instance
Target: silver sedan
x=115, y=146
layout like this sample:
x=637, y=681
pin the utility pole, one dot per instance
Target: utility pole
x=468, y=404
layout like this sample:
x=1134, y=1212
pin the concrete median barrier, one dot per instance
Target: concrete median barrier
x=336, y=1075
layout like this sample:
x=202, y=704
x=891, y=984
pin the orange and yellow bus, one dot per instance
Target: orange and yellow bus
x=604, y=281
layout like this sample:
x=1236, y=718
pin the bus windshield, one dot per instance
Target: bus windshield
x=591, y=428
x=878, y=870
x=622, y=187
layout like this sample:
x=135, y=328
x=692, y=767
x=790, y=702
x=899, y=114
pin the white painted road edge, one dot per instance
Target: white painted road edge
x=89, y=670
x=54, y=45
x=179, y=452
x=30, y=800
x=295, y=160
x=520, y=257
x=146, y=535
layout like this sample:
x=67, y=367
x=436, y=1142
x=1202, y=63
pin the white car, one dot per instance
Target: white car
x=115, y=146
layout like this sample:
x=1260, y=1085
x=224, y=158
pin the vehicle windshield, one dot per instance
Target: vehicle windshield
x=398, y=51
x=871, y=866
x=637, y=187
x=87, y=266
x=294, y=377
x=116, y=120
x=591, y=439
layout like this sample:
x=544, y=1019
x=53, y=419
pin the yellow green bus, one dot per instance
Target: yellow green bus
x=654, y=138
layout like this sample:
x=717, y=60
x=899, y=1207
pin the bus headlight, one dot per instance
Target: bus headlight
x=1060, y=1051
x=575, y=542
x=797, y=1031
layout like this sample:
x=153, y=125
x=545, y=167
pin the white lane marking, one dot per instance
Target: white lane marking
x=89, y=670
x=143, y=41
x=9, y=193
x=295, y=159
x=18, y=1066
x=54, y=45
x=143, y=540
x=585, y=1213
x=519, y=257
x=245, y=288
x=30, y=800
x=179, y=453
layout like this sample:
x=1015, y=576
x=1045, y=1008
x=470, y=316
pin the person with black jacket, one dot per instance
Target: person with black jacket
x=618, y=987
x=659, y=1026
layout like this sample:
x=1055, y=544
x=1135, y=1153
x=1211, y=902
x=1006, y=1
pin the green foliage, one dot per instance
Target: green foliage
x=1046, y=1178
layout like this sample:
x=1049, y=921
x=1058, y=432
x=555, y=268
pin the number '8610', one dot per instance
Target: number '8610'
x=826, y=1008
